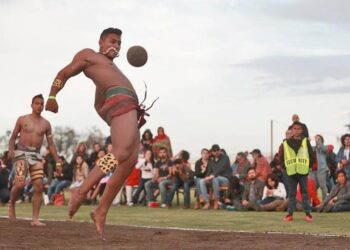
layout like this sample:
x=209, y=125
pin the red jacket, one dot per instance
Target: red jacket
x=134, y=178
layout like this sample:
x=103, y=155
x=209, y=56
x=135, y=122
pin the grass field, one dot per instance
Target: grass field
x=330, y=224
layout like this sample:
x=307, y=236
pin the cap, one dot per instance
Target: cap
x=256, y=151
x=215, y=147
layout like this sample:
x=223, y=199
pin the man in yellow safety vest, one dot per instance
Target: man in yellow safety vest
x=297, y=159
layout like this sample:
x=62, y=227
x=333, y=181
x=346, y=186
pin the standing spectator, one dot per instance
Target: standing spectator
x=146, y=167
x=243, y=166
x=94, y=155
x=332, y=165
x=63, y=179
x=253, y=191
x=305, y=133
x=161, y=177
x=321, y=174
x=343, y=155
x=261, y=165
x=200, y=172
x=161, y=140
x=81, y=150
x=147, y=139
x=218, y=174
x=4, y=180
x=49, y=165
x=339, y=198
x=131, y=183
x=274, y=194
x=296, y=158
x=80, y=172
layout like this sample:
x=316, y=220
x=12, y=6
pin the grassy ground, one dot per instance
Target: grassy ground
x=333, y=224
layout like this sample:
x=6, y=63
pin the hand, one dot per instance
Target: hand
x=51, y=105
x=245, y=202
x=269, y=192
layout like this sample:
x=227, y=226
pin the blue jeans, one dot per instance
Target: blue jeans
x=150, y=186
x=140, y=187
x=167, y=189
x=216, y=183
x=57, y=186
x=187, y=190
x=293, y=181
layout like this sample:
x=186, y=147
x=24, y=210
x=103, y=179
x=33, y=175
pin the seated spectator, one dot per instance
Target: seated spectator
x=234, y=194
x=94, y=155
x=243, y=166
x=339, y=198
x=63, y=179
x=253, y=192
x=200, y=172
x=182, y=177
x=81, y=150
x=312, y=192
x=146, y=167
x=219, y=174
x=162, y=175
x=274, y=195
x=80, y=172
x=131, y=184
x=4, y=180
x=261, y=165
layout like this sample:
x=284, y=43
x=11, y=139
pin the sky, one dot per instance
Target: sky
x=224, y=70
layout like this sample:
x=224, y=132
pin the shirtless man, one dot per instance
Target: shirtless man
x=116, y=102
x=26, y=156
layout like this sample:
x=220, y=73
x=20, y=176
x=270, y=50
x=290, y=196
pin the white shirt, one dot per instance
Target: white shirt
x=279, y=192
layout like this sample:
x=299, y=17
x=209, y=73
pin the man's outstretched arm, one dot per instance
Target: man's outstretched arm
x=78, y=64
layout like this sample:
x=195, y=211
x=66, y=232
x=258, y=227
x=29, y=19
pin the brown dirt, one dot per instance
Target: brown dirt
x=81, y=235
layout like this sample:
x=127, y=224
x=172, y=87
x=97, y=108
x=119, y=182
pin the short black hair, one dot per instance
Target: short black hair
x=40, y=96
x=342, y=139
x=296, y=123
x=110, y=31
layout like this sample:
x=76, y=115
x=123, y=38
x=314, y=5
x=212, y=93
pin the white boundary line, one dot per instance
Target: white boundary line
x=198, y=230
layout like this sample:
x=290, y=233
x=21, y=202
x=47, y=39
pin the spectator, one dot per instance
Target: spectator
x=200, y=172
x=4, y=180
x=219, y=174
x=49, y=165
x=63, y=179
x=80, y=172
x=339, y=198
x=274, y=195
x=162, y=175
x=332, y=165
x=261, y=165
x=253, y=192
x=296, y=158
x=146, y=167
x=161, y=140
x=183, y=177
x=147, y=139
x=94, y=155
x=81, y=150
x=243, y=166
x=320, y=175
x=343, y=155
x=234, y=194
x=312, y=195
x=131, y=183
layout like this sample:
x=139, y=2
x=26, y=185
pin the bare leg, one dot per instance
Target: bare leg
x=125, y=138
x=78, y=194
x=15, y=192
x=37, y=201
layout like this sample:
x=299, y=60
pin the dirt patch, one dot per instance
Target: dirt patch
x=81, y=235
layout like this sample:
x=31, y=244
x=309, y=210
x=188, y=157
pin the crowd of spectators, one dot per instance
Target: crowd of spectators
x=251, y=182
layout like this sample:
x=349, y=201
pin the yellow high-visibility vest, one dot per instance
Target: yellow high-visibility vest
x=296, y=163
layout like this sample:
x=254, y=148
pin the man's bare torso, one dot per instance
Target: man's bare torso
x=104, y=73
x=32, y=130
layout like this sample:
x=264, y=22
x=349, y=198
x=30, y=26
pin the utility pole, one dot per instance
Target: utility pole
x=271, y=137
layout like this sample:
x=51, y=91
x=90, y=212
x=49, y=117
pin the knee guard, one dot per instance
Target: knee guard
x=107, y=163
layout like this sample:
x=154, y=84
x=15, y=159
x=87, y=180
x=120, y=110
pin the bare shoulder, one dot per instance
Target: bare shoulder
x=85, y=53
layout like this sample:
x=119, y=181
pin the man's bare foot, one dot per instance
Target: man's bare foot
x=37, y=223
x=75, y=201
x=99, y=221
x=12, y=212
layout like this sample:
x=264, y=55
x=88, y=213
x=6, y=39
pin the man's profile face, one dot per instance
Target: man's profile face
x=38, y=105
x=110, y=43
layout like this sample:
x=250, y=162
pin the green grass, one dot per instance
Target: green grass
x=330, y=223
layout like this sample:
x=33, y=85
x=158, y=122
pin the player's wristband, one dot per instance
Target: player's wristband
x=52, y=97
